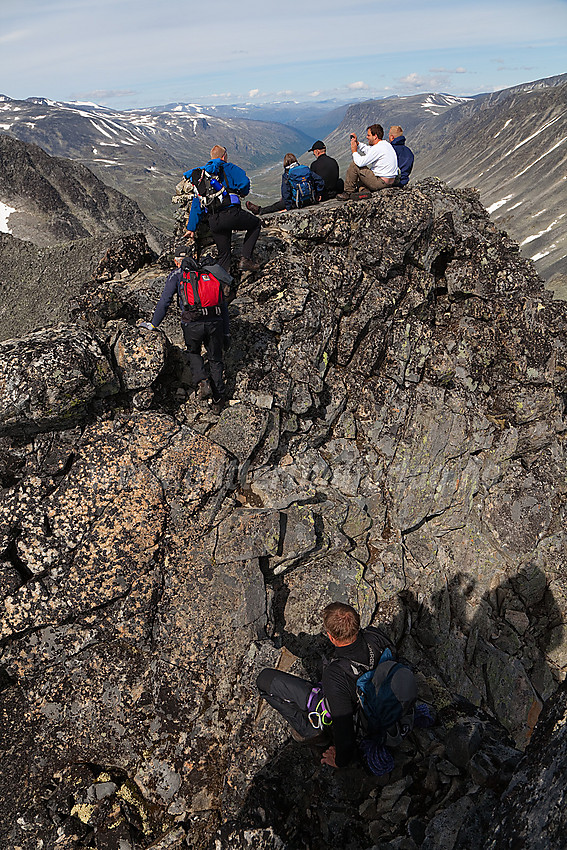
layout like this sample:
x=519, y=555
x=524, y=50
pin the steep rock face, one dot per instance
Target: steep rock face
x=531, y=814
x=57, y=200
x=39, y=284
x=395, y=438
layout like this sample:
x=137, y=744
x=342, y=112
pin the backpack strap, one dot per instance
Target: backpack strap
x=194, y=281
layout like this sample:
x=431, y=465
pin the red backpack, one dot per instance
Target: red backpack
x=200, y=293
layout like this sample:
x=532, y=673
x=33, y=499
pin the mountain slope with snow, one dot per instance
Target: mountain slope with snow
x=513, y=148
x=144, y=152
x=48, y=200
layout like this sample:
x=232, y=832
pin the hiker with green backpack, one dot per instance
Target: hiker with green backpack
x=365, y=703
x=301, y=187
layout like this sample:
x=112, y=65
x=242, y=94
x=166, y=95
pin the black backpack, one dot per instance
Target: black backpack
x=210, y=189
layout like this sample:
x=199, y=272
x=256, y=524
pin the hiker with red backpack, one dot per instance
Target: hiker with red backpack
x=364, y=704
x=218, y=189
x=301, y=187
x=204, y=320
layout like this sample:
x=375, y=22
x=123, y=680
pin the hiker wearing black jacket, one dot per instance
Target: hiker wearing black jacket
x=290, y=695
x=212, y=331
x=327, y=168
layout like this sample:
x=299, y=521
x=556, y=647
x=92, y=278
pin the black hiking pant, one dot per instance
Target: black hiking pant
x=288, y=694
x=210, y=334
x=223, y=222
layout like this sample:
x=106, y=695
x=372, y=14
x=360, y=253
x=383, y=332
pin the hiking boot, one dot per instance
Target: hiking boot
x=248, y=265
x=365, y=193
x=347, y=196
x=254, y=208
x=204, y=390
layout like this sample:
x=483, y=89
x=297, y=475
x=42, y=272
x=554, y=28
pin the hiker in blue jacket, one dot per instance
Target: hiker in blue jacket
x=404, y=154
x=301, y=187
x=230, y=216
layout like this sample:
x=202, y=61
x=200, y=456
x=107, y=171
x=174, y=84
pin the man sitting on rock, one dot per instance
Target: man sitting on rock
x=327, y=168
x=292, y=696
x=211, y=330
x=403, y=153
x=374, y=165
x=301, y=187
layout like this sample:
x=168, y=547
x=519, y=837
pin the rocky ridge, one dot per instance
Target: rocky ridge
x=395, y=438
x=55, y=200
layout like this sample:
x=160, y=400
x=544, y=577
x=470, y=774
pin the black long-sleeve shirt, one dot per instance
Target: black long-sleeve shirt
x=339, y=687
x=327, y=168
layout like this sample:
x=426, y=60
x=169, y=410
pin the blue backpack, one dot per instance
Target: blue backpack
x=302, y=189
x=388, y=712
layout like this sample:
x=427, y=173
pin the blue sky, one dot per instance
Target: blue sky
x=132, y=53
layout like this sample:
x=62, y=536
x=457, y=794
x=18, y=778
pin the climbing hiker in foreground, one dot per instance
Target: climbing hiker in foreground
x=332, y=711
x=301, y=187
x=219, y=187
x=374, y=165
x=204, y=320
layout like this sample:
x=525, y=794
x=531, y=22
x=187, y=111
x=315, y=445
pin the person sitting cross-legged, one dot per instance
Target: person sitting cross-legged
x=301, y=187
x=374, y=165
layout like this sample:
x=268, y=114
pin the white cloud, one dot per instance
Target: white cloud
x=412, y=79
x=358, y=85
x=253, y=92
x=15, y=35
x=314, y=94
x=448, y=70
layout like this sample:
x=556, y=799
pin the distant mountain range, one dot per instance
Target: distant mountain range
x=144, y=152
x=510, y=144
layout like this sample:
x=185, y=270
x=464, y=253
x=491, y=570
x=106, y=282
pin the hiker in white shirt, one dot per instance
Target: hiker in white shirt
x=374, y=165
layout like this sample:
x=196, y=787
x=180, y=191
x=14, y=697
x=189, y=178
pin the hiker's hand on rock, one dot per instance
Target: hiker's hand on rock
x=329, y=757
x=190, y=235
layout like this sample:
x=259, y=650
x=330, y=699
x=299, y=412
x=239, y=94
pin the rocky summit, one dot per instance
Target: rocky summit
x=394, y=438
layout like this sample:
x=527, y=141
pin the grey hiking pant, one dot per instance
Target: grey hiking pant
x=288, y=694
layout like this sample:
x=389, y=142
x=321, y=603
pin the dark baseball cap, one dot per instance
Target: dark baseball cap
x=181, y=251
x=318, y=146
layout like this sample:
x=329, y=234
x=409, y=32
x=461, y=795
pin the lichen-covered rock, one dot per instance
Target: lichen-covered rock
x=395, y=438
x=51, y=377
